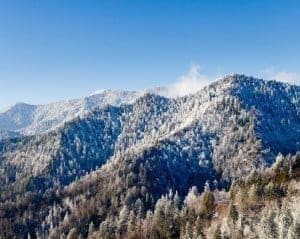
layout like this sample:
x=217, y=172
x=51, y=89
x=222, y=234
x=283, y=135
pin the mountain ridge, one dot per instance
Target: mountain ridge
x=29, y=119
x=133, y=154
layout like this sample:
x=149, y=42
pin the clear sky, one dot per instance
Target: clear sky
x=57, y=49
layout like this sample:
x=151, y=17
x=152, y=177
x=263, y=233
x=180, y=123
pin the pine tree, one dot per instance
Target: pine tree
x=91, y=228
x=131, y=230
x=234, y=214
x=73, y=234
x=123, y=220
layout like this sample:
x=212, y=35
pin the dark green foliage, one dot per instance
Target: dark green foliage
x=218, y=234
x=166, y=220
x=233, y=212
x=207, y=207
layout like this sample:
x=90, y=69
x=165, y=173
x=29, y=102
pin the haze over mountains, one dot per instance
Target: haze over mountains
x=102, y=165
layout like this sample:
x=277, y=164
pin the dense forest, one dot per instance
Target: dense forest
x=221, y=163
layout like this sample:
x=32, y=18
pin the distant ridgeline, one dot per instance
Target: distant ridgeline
x=221, y=163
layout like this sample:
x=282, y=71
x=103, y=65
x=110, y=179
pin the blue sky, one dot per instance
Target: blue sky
x=53, y=50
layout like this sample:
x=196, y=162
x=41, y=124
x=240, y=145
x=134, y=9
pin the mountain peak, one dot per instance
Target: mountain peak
x=31, y=119
x=129, y=155
x=35, y=119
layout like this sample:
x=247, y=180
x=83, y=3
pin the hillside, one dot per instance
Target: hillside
x=115, y=167
x=36, y=119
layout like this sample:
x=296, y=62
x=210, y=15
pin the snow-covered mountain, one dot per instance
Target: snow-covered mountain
x=238, y=121
x=35, y=119
x=129, y=155
x=26, y=119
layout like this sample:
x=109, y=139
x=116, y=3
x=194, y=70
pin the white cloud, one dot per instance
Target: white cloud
x=101, y=91
x=190, y=83
x=283, y=76
x=194, y=81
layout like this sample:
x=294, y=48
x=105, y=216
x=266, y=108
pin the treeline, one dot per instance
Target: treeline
x=260, y=206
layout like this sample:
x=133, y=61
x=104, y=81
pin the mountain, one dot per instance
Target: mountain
x=116, y=170
x=28, y=119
